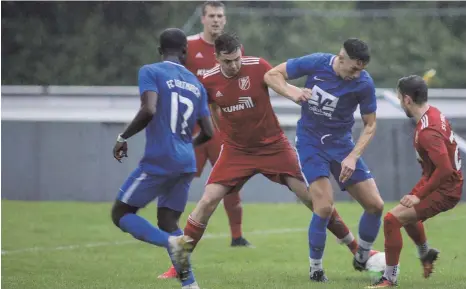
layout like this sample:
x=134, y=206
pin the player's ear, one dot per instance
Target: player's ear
x=160, y=50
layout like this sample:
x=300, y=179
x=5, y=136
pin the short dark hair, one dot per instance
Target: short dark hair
x=216, y=4
x=227, y=43
x=173, y=40
x=357, y=49
x=415, y=87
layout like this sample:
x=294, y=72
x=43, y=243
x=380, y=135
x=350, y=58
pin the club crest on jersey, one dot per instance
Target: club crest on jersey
x=244, y=83
x=322, y=102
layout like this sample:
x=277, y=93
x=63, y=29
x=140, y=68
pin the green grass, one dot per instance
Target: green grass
x=279, y=261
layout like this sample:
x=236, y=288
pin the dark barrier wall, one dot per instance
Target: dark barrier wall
x=73, y=161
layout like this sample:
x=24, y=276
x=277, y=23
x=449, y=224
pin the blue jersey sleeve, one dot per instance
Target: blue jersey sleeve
x=204, y=108
x=302, y=66
x=147, y=80
x=367, y=99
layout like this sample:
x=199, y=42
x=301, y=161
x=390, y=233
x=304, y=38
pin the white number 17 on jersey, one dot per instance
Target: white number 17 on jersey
x=176, y=99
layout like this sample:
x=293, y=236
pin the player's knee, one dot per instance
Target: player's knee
x=167, y=219
x=376, y=207
x=232, y=200
x=120, y=209
x=324, y=210
x=391, y=219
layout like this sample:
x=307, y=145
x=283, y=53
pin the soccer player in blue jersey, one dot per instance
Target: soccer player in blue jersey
x=335, y=86
x=172, y=101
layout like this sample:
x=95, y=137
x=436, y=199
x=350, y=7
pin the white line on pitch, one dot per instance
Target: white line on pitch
x=117, y=243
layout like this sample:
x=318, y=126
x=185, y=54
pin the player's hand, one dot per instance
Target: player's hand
x=120, y=151
x=299, y=95
x=409, y=200
x=348, y=166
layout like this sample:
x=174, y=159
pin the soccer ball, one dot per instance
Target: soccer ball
x=376, y=262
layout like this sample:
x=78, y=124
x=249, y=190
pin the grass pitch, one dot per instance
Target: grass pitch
x=75, y=245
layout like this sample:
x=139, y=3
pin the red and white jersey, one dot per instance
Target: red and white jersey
x=248, y=120
x=434, y=139
x=200, y=55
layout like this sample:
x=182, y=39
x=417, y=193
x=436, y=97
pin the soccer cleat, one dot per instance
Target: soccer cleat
x=382, y=283
x=241, y=242
x=191, y=286
x=318, y=276
x=170, y=274
x=359, y=266
x=428, y=262
x=181, y=248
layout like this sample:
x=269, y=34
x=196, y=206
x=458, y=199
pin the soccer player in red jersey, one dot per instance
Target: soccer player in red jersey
x=439, y=188
x=199, y=59
x=253, y=140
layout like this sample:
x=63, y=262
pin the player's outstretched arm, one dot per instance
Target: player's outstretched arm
x=276, y=80
x=207, y=131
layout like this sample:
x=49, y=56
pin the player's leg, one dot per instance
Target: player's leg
x=401, y=216
x=416, y=230
x=172, y=204
x=316, y=171
x=231, y=202
x=168, y=222
x=336, y=225
x=229, y=173
x=362, y=188
x=138, y=190
x=201, y=153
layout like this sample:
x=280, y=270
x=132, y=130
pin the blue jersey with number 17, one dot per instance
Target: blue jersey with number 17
x=330, y=111
x=182, y=100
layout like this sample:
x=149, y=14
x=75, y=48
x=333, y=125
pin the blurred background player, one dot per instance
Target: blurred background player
x=439, y=188
x=201, y=58
x=253, y=140
x=324, y=139
x=172, y=101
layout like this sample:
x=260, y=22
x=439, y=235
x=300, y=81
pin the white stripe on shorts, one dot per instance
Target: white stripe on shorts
x=299, y=161
x=129, y=192
x=216, y=162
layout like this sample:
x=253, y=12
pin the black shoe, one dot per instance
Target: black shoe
x=240, y=242
x=318, y=276
x=428, y=261
x=382, y=283
x=359, y=266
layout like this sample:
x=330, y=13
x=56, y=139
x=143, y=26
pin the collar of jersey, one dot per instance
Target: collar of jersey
x=166, y=61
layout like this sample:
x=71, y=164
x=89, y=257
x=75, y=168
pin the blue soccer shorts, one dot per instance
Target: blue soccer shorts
x=318, y=160
x=141, y=188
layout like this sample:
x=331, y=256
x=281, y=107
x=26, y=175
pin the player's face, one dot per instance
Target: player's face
x=348, y=68
x=214, y=20
x=230, y=63
x=405, y=102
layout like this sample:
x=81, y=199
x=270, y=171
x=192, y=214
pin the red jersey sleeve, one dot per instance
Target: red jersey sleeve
x=434, y=144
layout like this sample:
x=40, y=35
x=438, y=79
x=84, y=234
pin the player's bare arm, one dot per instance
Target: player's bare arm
x=140, y=121
x=349, y=163
x=276, y=80
x=206, y=133
x=215, y=110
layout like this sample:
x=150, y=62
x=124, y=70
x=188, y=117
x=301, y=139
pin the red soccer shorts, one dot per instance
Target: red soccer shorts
x=208, y=151
x=442, y=200
x=235, y=167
